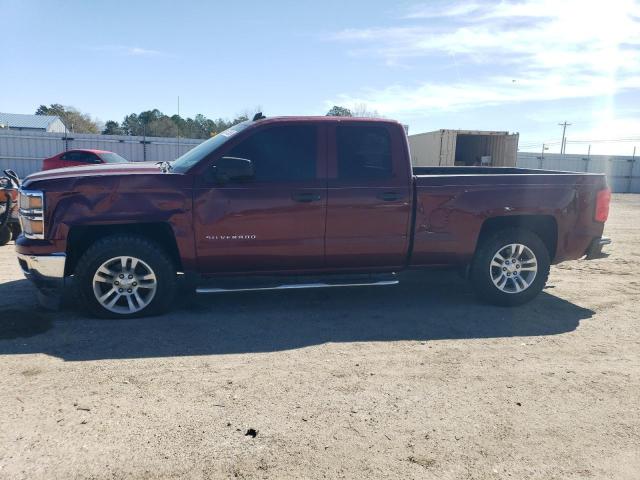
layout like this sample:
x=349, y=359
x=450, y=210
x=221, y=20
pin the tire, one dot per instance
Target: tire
x=5, y=235
x=15, y=230
x=138, y=272
x=510, y=283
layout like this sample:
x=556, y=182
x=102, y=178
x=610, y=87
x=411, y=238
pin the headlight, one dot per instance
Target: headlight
x=32, y=228
x=30, y=200
x=31, y=213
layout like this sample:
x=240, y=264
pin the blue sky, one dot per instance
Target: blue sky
x=520, y=66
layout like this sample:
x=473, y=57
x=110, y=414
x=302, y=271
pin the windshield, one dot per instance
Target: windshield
x=110, y=157
x=193, y=156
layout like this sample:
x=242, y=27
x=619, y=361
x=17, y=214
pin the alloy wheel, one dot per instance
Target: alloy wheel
x=513, y=268
x=124, y=285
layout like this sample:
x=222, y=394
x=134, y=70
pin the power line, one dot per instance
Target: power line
x=611, y=140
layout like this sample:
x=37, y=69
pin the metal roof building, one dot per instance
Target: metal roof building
x=33, y=123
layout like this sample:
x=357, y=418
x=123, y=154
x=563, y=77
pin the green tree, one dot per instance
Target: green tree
x=155, y=123
x=131, y=125
x=112, y=128
x=74, y=120
x=162, y=127
x=337, y=111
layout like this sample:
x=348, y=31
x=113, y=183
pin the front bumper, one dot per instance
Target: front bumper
x=595, y=248
x=45, y=271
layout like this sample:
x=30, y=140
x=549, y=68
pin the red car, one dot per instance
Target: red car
x=78, y=158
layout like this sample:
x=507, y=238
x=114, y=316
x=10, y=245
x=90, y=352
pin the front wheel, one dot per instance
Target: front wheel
x=510, y=267
x=125, y=276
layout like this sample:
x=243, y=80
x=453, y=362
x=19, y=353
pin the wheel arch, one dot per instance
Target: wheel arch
x=545, y=226
x=81, y=237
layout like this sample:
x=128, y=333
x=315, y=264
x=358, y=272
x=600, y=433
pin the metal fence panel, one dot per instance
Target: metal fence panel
x=623, y=172
x=24, y=151
x=528, y=160
x=22, y=166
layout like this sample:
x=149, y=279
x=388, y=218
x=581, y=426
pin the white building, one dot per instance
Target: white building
x=31, y=123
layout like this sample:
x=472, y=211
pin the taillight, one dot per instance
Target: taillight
x=603, y=200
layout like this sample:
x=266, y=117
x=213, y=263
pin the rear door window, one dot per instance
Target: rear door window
x=285, y=153
x=363, y=152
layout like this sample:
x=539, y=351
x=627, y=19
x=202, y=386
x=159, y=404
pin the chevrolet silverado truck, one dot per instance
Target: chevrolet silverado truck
x=298, y=202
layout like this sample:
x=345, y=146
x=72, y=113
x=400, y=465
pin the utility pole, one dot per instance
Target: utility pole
x=588, y=159
x=633, y=161
x=564, y=130
x=544, y=147
x=178, y=125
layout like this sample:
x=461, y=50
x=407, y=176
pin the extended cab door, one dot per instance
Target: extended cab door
x=369, y=196
x=275, y=221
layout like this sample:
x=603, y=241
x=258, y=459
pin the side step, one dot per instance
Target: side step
x=247, y=285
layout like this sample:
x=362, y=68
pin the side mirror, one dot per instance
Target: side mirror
x=233, y=169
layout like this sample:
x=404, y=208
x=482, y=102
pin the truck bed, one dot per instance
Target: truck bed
x=452, y=204
x=486, y=171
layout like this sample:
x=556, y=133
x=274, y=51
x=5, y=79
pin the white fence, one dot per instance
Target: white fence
x=623, y=173
x=23, y=152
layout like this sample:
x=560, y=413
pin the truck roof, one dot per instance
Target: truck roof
x=307, y=118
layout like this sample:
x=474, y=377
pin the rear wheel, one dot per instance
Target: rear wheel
x=125, y=276
x=510, y=267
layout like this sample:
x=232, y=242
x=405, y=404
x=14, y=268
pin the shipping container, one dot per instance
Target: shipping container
x=464, y=148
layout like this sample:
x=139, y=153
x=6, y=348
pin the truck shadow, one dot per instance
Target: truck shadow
x=425, y=306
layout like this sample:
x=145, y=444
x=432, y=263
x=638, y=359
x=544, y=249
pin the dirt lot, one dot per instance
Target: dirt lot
x=413, y=381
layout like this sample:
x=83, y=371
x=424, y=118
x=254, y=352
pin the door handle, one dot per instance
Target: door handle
x=389, y=196
x=305, y=197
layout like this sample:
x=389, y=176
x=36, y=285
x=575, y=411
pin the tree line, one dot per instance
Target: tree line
x=154, y=123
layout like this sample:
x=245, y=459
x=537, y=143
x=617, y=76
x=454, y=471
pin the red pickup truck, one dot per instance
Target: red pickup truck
x=299, y=202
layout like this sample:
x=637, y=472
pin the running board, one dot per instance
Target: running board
x=295, y=286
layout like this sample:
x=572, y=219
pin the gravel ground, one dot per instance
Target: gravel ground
x=413, y=381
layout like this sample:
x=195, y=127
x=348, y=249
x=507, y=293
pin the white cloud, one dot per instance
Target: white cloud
x=402, y=100
x=436, y=11
x=552, y=49
x=132, y=51
x=137, y=51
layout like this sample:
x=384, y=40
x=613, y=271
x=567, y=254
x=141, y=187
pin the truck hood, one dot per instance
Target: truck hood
x=109, y=169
